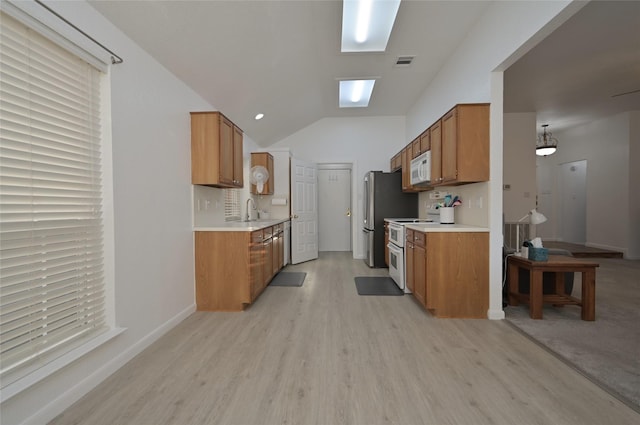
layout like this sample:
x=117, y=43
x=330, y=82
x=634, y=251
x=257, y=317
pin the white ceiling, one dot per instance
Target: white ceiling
x=282, y=58
x=569, y=78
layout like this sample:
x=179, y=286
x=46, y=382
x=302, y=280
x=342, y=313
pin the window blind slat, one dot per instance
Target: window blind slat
x=52, y=292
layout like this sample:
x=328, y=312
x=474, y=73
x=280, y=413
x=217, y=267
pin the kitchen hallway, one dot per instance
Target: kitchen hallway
x=321, y=354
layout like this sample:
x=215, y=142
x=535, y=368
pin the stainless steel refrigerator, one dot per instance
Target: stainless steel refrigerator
x=383, y=198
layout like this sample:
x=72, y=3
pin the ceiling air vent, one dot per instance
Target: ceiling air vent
x=404, y=60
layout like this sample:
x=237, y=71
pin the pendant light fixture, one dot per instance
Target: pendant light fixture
x=546, y=144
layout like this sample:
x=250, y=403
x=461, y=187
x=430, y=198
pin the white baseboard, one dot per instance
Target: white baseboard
x=67, y=398
x=607, y=247
x=551, y=240
x=495, y=314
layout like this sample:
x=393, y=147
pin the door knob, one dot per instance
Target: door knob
x=348, y=212
x=295, y=216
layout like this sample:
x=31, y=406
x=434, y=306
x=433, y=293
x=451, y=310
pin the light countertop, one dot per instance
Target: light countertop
x=240, y=226
x=437, y=227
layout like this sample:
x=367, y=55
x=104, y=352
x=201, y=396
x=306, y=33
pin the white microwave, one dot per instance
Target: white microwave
x=421, y=169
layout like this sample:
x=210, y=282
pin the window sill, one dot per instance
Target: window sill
x=57, y=364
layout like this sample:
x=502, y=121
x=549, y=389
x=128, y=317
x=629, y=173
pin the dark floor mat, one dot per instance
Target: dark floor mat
x=377, y=285
x=288, y=279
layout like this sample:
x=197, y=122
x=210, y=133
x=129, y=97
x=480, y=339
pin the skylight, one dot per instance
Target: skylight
x=355, y=93
x=367, y=24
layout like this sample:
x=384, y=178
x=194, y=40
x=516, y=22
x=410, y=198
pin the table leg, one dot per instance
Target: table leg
x=535, y=294
x=513, y=284
x=589, y=295
x=559, y=282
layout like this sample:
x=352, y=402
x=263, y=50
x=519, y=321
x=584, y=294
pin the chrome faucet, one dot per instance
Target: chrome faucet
x=248, y=211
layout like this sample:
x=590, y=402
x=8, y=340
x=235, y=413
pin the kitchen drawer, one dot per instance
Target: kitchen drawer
x=419, y=239
x=256, y=237
x=408, y=235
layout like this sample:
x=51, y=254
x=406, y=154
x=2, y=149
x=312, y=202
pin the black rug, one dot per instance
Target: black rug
x=377, y=285
x=288, y=279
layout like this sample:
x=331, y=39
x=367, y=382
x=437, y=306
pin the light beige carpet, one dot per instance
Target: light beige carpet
x=607, y=350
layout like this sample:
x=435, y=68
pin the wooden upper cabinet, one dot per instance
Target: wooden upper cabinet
x=216, y=150
x=264, y=159
x=449, y=157
x=459, y=145
x=415, y=148
x=425, y=141
x=227, y=160
x=396, y=162
x=406, y=156
x=238, y=159
x=436, y=152
x=465, y=144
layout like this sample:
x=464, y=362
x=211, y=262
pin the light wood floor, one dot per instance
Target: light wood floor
x=321, y=354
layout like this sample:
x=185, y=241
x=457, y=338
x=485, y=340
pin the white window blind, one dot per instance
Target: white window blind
x=231, y=204
x=52, y=294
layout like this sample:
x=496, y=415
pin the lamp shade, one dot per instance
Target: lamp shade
x=537, y=217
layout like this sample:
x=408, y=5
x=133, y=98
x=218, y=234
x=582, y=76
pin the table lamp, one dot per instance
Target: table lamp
x=535, y=217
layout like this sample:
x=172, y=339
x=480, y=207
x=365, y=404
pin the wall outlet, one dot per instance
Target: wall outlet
x=436, y=194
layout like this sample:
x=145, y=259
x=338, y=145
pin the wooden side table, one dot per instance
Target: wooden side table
x=558, y=264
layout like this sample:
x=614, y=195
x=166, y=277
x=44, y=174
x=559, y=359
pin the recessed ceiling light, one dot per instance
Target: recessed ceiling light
x=355, y=93
x=259, y=116
x=367, y=24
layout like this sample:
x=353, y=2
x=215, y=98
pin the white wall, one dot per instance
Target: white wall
x=634, y=178
x=208, y=202
x=154, y=263
x=605, y=144
x=281, y=187
x=505, y=32
x=519, y=165
x=368, y=143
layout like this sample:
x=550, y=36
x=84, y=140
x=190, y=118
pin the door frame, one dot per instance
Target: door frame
x=342, y=166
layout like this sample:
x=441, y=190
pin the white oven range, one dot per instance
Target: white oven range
x=396, y=249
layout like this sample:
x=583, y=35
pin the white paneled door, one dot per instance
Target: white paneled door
x=573, y=201
x=334, y=209
x=304, y=211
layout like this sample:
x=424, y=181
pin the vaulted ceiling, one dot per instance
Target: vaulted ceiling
x=282, y=58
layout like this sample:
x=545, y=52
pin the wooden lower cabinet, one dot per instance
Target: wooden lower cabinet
x=449, y=272
x=419, y=260
x=267, y=263
x=409, y=274
x=256, y=258
x=233, y=268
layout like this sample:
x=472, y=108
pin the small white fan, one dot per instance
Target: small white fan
x=259, y=176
